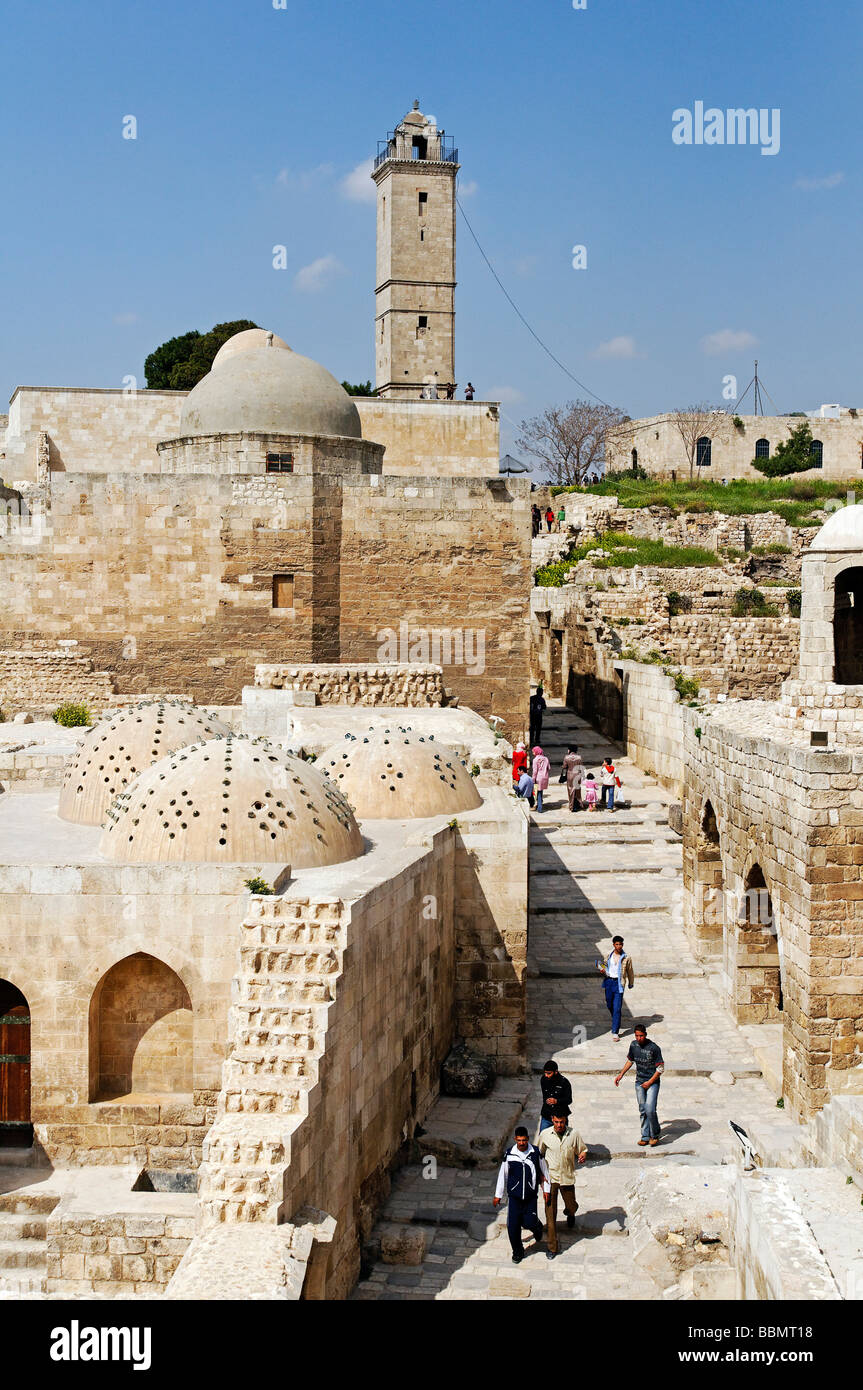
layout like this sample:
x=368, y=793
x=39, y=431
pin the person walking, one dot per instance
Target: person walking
x=647, y=1059
x=556, y=1095
x=524, y=787
x=563, y=1149
x=561, y=517
x=617, y=972
x=573, y=772
x=540, y=769
x=522, y=1174
x=589, y=792
x=519, y=761
x=610, y=782
x=549, y=518
x=469, y=391
x=537, y=708
x=535, y=520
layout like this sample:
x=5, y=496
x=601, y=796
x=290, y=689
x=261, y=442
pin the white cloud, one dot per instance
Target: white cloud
x=126, y=318
x=507, y=395
x=621, y=348
x=303, y=179
x=727, y=340
x=467, y=190
x=813, y=185
x=318, y=275
x=358, y=186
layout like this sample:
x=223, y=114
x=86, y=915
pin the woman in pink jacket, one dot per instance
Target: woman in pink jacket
x=539, y=772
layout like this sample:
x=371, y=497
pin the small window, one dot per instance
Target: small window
x=634, y=457
x=283, y=591
x=703, y=453
x=422, y=321
x=422, y=204
x=280, y=463
x=816, y=453
x=422, y=234
x=762, y=448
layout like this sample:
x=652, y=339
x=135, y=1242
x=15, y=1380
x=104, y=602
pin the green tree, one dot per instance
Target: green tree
x=362, y=388
x=793, y=455
x=180, y=363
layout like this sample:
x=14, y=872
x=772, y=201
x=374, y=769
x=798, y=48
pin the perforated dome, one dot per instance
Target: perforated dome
x=394, y=774
x=231, y=800
x=118, y=749
x=268, y=390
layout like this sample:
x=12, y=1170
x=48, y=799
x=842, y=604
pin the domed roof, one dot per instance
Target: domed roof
x=843, y=531
x=117, y=749
x=231, y=800
x=249, y=338
x=252, y=387
x=394, y=774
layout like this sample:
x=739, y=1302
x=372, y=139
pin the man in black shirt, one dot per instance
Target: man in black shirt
x=646, y=1057
x=556, y=1095
x=537, y=706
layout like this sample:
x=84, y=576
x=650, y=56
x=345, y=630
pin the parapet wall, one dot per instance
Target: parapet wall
x=357, y=684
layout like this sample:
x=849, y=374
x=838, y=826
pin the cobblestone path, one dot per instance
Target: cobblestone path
x=592, y=876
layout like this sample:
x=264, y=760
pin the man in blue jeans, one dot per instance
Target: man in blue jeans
x=523, y=1175
x=646, y=1057
x=617, y=972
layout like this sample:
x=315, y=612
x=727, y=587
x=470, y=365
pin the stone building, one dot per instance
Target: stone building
x=773, y=834
x=209, y=1073
x=726, y=449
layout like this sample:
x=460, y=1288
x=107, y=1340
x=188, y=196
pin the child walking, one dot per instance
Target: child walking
x=589, y=792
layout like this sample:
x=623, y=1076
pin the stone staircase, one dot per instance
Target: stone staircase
x=548, y=547
x=23, y=1236
x=290, y=960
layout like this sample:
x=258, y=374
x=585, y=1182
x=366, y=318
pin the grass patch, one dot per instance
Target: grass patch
x=72, y=716
x=625, y=552
x=792, y=499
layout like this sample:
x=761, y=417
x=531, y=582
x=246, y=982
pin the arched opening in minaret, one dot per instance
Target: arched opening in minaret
x=419, y=148
x=848, y=627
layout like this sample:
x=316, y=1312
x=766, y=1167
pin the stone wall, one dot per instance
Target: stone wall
x=343, y=684
x=167, y=582
x=39, y=681
x=129, y=1252
x=64, y=928
x=662, y=453
x=433, y=438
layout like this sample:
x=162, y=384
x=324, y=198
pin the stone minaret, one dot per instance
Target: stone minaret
x=415, y=174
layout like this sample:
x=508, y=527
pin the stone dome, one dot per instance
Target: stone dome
x=121, y=747
x=255, y=388
x=843, y=531
x=394, y=774
x=231, y=800
x=249, y=338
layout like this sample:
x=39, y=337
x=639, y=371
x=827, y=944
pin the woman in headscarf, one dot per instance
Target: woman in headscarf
x=573, y=769
x=540, y=770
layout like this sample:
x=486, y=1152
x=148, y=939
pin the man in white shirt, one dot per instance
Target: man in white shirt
x=617, y=972
x=522, y=1174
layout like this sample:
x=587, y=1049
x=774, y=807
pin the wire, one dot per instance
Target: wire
x=530, y=330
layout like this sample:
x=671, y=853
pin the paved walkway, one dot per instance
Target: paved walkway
x=592, y=876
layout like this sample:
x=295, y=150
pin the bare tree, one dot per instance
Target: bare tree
x=569, y=439
x=693, y=424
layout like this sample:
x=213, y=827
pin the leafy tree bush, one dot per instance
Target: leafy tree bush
x=795, y=602
x=361, y=388
x=751, y=603
x=791, y=456
x=678, y=603
x=180, y=363
x=72, y=716
x=258, y=885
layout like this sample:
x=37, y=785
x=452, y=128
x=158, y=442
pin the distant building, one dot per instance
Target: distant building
x=726, y=449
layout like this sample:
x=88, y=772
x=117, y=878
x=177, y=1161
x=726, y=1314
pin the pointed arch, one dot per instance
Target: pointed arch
x=141, y=1031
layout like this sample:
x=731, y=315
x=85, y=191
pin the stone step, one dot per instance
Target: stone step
x=28, y=1202
x=23, y=1254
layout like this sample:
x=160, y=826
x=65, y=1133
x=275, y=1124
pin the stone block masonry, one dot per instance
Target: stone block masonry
x=167, y=582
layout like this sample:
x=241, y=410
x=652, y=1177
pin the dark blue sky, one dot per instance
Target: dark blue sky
x=251, y=119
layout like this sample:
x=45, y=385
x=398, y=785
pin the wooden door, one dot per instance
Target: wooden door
x=15, y=1073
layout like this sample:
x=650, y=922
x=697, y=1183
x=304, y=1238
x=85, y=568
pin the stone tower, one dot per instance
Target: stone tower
x=415, y=174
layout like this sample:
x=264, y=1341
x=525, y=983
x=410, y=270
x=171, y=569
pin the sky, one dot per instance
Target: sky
x=255, y=122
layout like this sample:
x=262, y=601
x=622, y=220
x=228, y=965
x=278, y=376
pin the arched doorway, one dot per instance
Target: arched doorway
x=848, y=627
x=15, y=1126
x=141, y=1029
x=759, y=971
x=709, y=895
